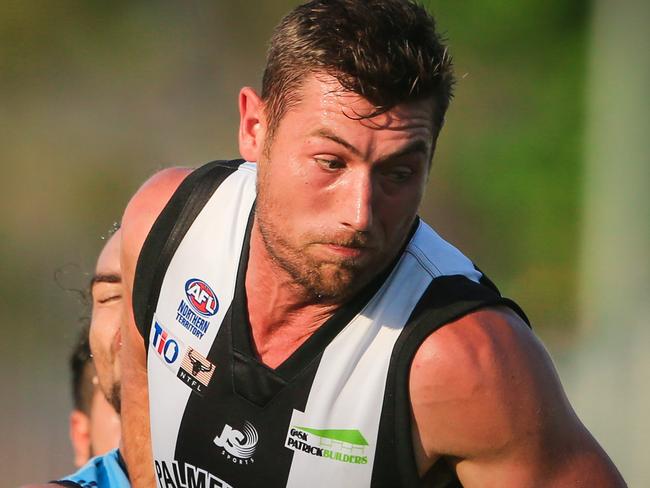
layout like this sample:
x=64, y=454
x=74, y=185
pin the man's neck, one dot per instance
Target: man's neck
x=281, y=312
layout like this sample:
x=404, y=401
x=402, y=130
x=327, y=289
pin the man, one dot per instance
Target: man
x=294, y=323
x=104, y=339
x=94, y=423
x=109, y=469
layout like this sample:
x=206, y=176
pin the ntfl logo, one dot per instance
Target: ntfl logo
x=195, y=371
x=201, y=297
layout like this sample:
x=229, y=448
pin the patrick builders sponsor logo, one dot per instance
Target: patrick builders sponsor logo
x=343, y=445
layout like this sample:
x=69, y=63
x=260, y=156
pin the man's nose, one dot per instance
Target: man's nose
x=357, y=202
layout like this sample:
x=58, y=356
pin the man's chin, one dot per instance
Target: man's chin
x=335, y=283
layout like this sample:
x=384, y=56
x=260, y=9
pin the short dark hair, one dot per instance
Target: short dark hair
x=387, y=51
x=83, y=372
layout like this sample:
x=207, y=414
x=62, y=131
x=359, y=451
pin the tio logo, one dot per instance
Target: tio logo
x=201, y=297
x=165, y=347
x=238, y=444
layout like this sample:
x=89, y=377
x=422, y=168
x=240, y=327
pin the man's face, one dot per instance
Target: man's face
x=106, y=289
x=337, y=194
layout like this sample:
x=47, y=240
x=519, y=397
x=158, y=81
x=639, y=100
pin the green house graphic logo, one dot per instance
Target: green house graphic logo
x=343, y=445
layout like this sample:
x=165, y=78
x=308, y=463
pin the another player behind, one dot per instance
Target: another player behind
x=109, y=469
x=94, y=423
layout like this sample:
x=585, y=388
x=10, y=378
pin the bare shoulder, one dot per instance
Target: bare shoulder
x=463, y=370
x=490, y=345
x=152, y=196
x=485, y=393
x=143, y=209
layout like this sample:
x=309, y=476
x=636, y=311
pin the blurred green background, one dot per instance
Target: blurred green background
x=541, y=177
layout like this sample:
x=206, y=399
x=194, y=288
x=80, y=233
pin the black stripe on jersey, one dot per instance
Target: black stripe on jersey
x=447, y=299
x=69, y=484
x=265, y=406
x=166, y=234
x=484, y=280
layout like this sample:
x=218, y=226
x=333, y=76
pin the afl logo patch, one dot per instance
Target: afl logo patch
x=201, y=297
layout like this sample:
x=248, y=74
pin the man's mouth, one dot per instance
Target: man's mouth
x=348, y=251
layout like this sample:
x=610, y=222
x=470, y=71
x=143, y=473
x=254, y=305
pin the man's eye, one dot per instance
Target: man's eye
x=330, y=164
x=109, y=298
x=399, y=175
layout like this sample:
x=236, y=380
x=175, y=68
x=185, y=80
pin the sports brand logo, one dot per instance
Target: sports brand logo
x=201, y=297
x=195, y=371
x=343, y=445
x=238, y=446
x=164, y=344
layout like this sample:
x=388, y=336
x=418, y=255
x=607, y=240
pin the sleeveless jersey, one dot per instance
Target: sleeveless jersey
x=106, y=471
x=337, y=411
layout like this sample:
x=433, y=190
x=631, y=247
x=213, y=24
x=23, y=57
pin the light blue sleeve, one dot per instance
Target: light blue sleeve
x=101, y=472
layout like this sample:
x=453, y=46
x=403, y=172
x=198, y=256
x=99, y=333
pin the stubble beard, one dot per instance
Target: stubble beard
x=112, y=392
x=109, y=381
x=114, y=397
x=321, y=281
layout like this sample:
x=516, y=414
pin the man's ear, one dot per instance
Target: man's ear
x=80, y=437
x=252, y=125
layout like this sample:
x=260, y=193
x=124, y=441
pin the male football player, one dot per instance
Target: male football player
x=295, y=323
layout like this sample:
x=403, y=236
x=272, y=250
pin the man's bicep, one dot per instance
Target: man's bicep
x=462, y=380
x=548, y=459
x=486, y=394
x=136, y=434
x=138, y=219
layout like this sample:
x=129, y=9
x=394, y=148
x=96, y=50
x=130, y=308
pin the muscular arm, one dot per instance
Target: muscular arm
x=485, y=396
x=139, y=216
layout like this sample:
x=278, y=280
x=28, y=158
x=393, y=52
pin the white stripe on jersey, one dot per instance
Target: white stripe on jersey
x=209, y=251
